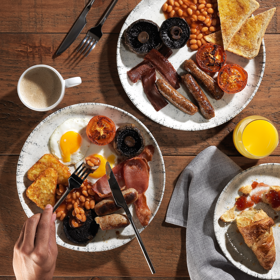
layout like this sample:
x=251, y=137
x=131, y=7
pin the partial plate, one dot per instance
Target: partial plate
x=226, y=108
x=229, y=239
x=36, y=146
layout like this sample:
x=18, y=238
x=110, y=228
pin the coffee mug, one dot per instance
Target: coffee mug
x=41, y=87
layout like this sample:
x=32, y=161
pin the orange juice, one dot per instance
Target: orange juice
x=255, y=137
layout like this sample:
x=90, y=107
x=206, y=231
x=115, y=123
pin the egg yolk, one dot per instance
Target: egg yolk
x=70, y=142
x=101, y=170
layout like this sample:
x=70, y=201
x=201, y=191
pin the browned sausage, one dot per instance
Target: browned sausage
x=108, y=206
x=176, y=98
x=112, y=221
x=205, y=79
x=205, y=106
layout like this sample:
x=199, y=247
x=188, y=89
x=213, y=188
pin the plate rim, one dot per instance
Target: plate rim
x=60, y=242
x=216, y=218
x=159, y=121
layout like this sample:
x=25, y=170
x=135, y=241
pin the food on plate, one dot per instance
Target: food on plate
x=256, y=228
x=113, y=221
x=247, y=41
x=211, y=58
x=69, y=142
x=47, y=161
x=42, y=191
x=200, y=15
x=174, y=33
x=108, y=206
x=101, y=130
x=204, y=104
x=232, y=78
x=209, y=83
x=272, y=197
x=143, y=212
x=229, y=215
x=129, y=141
x=176, y=98
x=83, y=233
x=246, y=189
x=233, y=13
x=92, y=161
x=151, y=91
x=142, y=36
x=164, y=67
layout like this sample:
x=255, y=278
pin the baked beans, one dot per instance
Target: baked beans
x=201, y=15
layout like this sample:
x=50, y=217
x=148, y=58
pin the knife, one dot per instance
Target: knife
x=75, y=30
x=120, y=202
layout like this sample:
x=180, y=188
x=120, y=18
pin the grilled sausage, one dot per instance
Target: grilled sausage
x=205, y=79
x=108, y=206
x=174, y=97
x=205, y=106
x=112, y=221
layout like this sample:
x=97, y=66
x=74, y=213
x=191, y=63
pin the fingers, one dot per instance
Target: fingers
x=52, y=239
x=20, y=238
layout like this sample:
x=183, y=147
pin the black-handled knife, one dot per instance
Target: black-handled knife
x=75, y=30
x=120, y=202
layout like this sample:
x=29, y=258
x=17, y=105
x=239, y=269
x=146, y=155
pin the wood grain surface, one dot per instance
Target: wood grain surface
x=30, y=33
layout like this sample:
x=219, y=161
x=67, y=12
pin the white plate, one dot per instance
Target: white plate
x=225, y=109
x=36, y=146
x=229, y=239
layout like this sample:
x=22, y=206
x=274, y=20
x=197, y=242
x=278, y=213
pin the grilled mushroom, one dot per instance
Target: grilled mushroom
x=142, y=36
x=174, y=33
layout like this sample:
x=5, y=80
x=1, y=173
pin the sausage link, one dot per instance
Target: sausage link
x=174, y=97
x=205, y=106
x=108, y=206
x=112, y=221
x=205, y=79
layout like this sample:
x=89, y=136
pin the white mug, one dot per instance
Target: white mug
x=63, y=84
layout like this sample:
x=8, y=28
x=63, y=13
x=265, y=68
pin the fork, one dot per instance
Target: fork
x=94, y=34
x=75, y=181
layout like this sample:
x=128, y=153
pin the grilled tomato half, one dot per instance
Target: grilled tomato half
x=211, y=58
x=101, y=130
x=232, y=78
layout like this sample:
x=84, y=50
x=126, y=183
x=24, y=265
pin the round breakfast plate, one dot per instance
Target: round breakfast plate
x=36, y=146
x=225, y=109
x=229, y=239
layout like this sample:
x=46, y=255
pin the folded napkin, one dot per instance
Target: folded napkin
x=192, y=206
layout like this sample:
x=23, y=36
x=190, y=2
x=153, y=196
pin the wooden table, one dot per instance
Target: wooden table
x=30, y=33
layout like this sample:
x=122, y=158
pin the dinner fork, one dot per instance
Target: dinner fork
x=94, y=34
x=75, y=181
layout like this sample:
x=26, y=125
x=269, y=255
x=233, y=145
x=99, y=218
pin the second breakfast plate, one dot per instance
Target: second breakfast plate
x=225, y=109
x=229, y=239
x=36, y=146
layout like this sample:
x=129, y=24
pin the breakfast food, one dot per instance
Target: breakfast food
x=272, y=197
x=42, y=191
x=112, y=221
x=204, y=104
x=47, y=161
x=143, y=212
x=247, y=41
x=176, y=98
x=229, y=215
x=233, y=13
x=256, y=229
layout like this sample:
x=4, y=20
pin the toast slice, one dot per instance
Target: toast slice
x=233, y=13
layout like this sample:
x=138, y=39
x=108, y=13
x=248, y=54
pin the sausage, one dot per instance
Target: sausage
x=205, y=79
x=205, y=106
x=174, y=97
x=112, y=221
x=108, y=206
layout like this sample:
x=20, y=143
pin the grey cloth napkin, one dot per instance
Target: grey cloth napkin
x=192, y=206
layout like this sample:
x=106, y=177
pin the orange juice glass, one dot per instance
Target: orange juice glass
x=255, y=137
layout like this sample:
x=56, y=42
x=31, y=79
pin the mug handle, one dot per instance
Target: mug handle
x=72, y=82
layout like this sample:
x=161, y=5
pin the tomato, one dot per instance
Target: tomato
x=232, y=78
x=101, y=130
x=211, y=58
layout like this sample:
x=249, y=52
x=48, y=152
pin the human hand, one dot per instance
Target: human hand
x=35, y=251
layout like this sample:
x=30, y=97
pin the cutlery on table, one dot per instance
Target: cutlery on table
x=75, y=29
x=75, y=181
x=94, y=34
x=120, y=202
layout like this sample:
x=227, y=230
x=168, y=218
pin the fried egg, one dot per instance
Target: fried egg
x=69, y=142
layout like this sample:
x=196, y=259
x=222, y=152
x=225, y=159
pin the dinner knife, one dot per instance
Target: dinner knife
x=120, y=202
x=75, y=29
